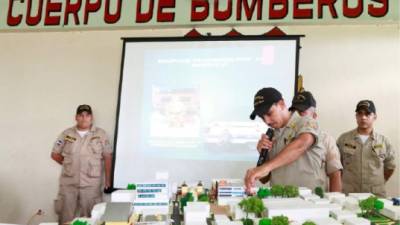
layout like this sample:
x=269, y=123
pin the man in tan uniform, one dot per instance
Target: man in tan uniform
x=305, y=104
x=81, y=151
x=367, y=156
x=297, y=156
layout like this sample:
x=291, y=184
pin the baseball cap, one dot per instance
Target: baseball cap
x=302, y=101
x=263, y=100
x=366, y=105
x=84, y=108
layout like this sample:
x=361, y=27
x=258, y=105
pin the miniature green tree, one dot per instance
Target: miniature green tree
x=185, y=199
x=251, y=205
x=291, y=191
x=280, y=220
x=131, y=187
x=277, y=190
x=265, y=221
x=367, y=206
x=319, y=191
x=370, y=206
x=80, y=222
x=203, y=198
x=379, y=205
x=309, y=223
x=263, y=192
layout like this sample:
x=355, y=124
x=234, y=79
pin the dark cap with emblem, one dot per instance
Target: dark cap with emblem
x=84, y=108
x=263, y=100
x=302, y=101
x=366, y=105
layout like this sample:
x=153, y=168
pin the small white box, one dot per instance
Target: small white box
x=360, y=196
x=320, y=201
x=331, y=195
x=196, y=212
x=356, y=221
x=339, y=201
x=310, y=197
x=352, y=204
x=304, y=191
x=123, y=196
x=325, y=221
x=391, y=211
x=340, y=215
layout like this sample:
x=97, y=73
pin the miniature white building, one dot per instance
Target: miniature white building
x=229, y=190
x=356, y=221
x=391, y=211
x=123, y=196
x=196, y=213
x=296, y=209
x=151, y=198
x=340, y=215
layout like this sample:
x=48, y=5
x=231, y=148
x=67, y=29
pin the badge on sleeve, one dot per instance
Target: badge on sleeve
x=59, y=142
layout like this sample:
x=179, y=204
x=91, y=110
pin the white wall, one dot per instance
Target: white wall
x=45, y=75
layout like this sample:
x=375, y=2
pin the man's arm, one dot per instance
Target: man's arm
x=335, y=181
x=107, y=168
x=389, y=162
x=57, y=157
x=387, y=174
x=289, y=154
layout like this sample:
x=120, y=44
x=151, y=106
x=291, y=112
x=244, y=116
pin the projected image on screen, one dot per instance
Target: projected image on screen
x=185, y=106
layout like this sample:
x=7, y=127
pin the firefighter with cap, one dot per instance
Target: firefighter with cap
x=297, y=156
x=85, y=154
x=305, y=104
x=368, y=157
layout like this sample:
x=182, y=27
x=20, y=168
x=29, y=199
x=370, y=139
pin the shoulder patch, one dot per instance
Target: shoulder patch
x=59, y=142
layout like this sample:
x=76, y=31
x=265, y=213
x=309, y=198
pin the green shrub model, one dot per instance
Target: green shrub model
x=280, y=220
x=277, y=190
x=251, y=205
x=309, y=223
x=291, y=191
x=263, y=192
x=265, y=221
x=370, y=206
x=319, y=191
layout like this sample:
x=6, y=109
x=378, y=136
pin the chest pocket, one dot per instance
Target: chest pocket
x=378, y=154
x=96, y=146
x=69, y=145
x=348, y=153
x=67, y=169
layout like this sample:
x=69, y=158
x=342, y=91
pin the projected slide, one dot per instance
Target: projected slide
x=187, y=104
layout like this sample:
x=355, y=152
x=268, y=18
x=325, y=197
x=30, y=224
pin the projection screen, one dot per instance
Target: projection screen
x=184, y=104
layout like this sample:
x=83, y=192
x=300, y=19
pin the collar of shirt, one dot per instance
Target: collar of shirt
x=355, y=135
x=293, y=118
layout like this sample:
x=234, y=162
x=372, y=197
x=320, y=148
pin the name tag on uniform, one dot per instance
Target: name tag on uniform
x=350, y=146
x=95, y=137
x=377, y=146
x=70, y=139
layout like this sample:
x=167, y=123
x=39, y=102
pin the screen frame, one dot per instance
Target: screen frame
x=192, y=39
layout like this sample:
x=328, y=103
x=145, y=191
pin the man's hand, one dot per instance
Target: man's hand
x=107, y=169
x=264, y=143
x=57, y=157
x=253, y=175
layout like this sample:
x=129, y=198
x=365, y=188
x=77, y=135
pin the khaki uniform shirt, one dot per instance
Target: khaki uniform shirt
x=333, y=162
x=364, y=164
x=82, y=165
x=309, y=169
